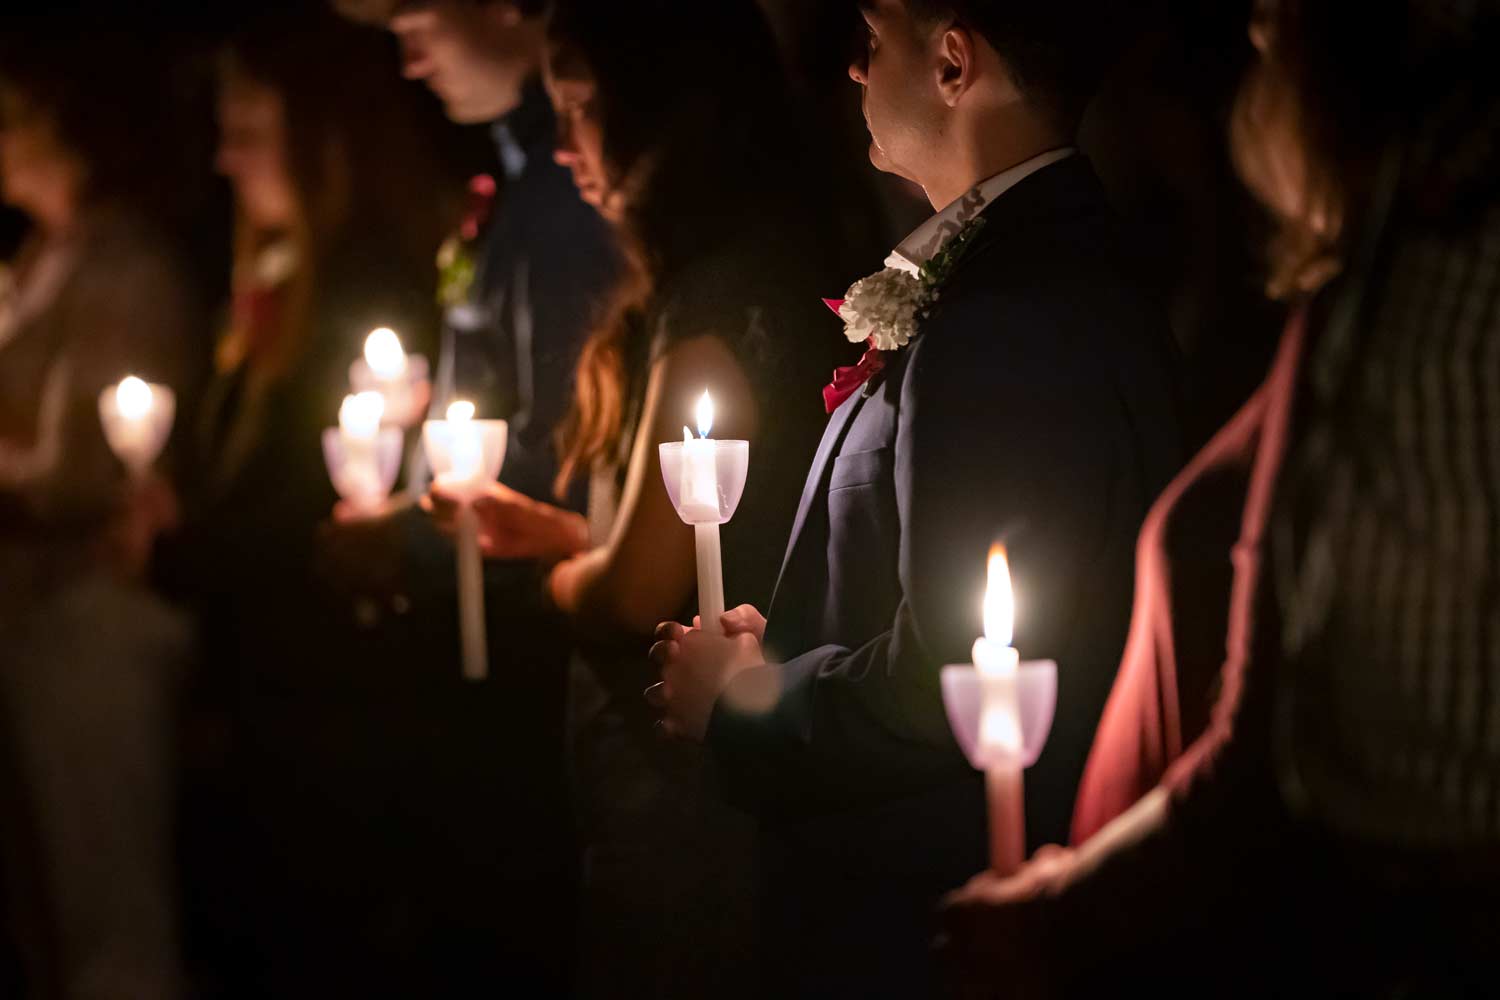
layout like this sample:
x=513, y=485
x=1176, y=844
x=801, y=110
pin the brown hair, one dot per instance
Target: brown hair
x=696, y=131
x=1309, y=126
x=356, y=151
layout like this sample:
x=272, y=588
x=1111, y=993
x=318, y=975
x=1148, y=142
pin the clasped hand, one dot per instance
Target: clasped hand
x=696, y=667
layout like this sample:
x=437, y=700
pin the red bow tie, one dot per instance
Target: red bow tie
x=848, y=379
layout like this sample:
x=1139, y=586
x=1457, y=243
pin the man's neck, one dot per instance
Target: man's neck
x=979, y=149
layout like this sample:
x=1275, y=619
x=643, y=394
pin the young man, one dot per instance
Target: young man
x=546, y=260
x=498, y=823
x=1035, y=404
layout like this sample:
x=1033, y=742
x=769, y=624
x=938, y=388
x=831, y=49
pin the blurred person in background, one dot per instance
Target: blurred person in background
x=544, y=262
x=91, y=659
x=687, y=142
x=1334, y=830
x=338, y=213
x=522, y=283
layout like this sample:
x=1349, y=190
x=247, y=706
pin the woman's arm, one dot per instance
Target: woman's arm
x=646, y=572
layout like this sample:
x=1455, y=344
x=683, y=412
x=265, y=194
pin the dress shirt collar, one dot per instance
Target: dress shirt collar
x=928, y=238
x=526, y=132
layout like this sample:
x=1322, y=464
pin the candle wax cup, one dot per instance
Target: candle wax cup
x=137, y=426
x=705, y=481
x=1035, y=686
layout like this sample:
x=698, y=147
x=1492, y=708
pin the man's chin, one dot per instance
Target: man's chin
x=880, y=161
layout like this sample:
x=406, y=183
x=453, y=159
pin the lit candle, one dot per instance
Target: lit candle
x=466, y=455
x=1000, y=719
x=705, y=479
x=385, y=355
x=700, y=474
x=358, y=475
x=137, y=418
x=359, y=416
x=387, y=368
x=700, y=504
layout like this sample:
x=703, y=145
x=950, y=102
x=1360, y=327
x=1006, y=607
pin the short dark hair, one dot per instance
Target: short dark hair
x=1057, y=51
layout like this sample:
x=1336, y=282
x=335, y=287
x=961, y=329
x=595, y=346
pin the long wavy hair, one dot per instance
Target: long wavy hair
x=697, y=133
x=1310, y=123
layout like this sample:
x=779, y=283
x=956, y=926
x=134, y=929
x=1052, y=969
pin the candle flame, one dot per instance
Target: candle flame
x=705, y=414
x=384, y=354
x=360, y=414
x=460, y=411
x=133, y=398
x=999, y=601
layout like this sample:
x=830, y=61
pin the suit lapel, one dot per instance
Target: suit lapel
x=817, y=477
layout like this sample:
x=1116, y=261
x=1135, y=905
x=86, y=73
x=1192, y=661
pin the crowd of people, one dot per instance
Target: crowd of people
x=239, y=757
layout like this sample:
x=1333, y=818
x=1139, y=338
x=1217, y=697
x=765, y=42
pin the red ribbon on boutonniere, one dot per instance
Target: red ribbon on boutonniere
x=848, y=378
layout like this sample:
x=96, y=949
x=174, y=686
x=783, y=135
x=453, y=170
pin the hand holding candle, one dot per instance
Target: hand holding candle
x=137, y=419
x=705, y=479
x=400, y=378
x=1001, y=711
x=466, y=456
x=363, y=458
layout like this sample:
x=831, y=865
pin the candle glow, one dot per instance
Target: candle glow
x=700, y=472
x=705, y=414
x=133, y=398
x=360, y=415
x=384, y=354
x=997, y=662
x=468, y=450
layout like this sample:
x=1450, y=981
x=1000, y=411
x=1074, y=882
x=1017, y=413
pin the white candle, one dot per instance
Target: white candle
x=466, y=469
x=389, y=370
x=385, y=355
x=359, y=416
x=700, y=505
x=1000, y=720
x=133, y=402
x=468, y=449
x=137, y=418
x=359, y=427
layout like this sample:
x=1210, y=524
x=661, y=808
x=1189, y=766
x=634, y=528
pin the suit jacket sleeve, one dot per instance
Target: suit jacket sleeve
x=1007, y=430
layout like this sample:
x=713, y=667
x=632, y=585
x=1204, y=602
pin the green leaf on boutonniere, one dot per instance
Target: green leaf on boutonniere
x=456, y=271
x=936, y=270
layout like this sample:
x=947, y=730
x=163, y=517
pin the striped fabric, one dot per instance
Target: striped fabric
x=1387, y=544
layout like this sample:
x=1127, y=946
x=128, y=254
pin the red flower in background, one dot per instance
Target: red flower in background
x=481, y=204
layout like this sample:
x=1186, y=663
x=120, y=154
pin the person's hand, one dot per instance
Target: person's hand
x=990, y=944
x=149, y=509
x=696, y=667
x=360, y=552
x=512, y=525
x=743, y=620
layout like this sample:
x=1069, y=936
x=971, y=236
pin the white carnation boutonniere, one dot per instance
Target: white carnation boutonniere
x=884, y=309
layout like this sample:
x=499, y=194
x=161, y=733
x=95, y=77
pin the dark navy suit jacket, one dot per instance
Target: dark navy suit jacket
x=548, y=265
x=1039, y=406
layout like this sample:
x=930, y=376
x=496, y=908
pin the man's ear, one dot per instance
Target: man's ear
x=958, y=58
